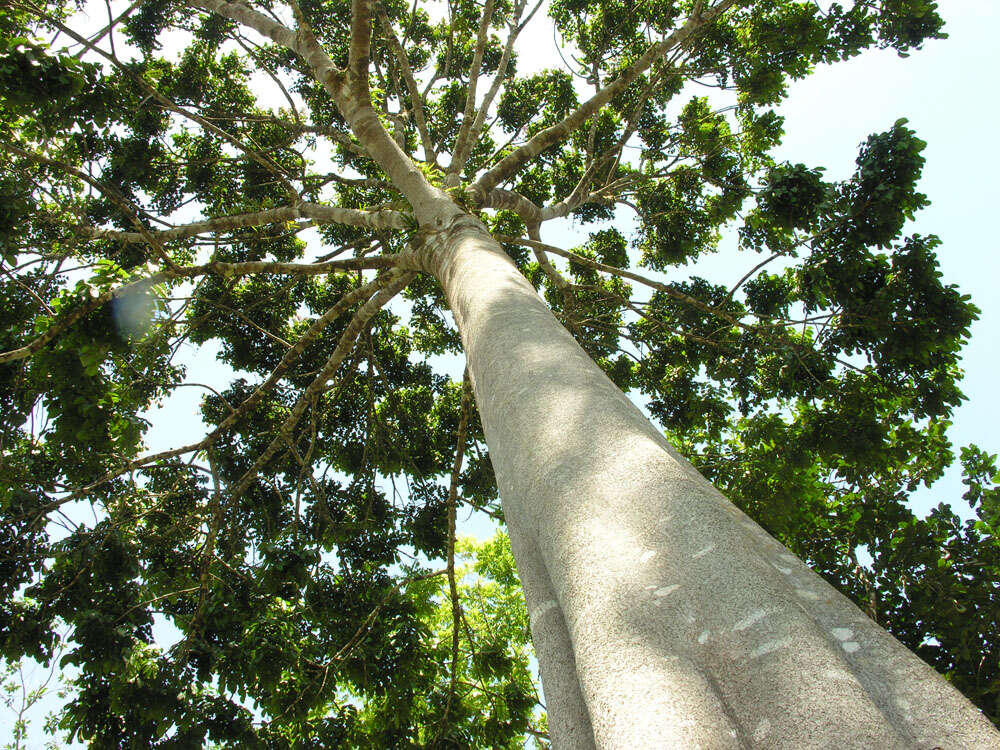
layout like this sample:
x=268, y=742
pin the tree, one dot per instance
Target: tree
x=153, y=196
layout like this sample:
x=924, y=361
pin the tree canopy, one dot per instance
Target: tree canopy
x=218, y=174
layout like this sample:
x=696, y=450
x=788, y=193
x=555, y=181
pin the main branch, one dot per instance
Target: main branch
x=375, y=219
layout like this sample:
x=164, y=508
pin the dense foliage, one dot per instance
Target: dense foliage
x=288, y=580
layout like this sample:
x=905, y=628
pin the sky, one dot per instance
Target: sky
x=948, y=93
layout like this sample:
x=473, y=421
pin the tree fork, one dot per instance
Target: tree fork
x=684, y=622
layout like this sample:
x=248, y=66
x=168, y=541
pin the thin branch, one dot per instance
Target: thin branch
x=216, y=510
x=623, y=273
x=31, y=292
x=246, y=44
x=416, y=100
x=475, y=70
x=372, y=219
x=784, y=251
x=456, y=471
x=111, y=25
x=558, y=281
x=178, y=272
x=289, y=358
x=342, y=138
x=254, y=153
x=367, y=623
x=111, y=193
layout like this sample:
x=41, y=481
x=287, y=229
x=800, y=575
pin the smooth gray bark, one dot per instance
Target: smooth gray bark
x=686, y=625
x=567, y=713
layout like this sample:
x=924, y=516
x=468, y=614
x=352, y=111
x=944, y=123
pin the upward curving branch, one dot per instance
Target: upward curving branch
x=509, y=165
x=463, y=148
x=416, y=98
x=250, y=18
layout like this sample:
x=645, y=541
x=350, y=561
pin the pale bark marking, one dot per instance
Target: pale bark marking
x=760, y=732
x=905, y=706
x=667, y=590
x=542, y=609
x=769, y=646
x=807, y=594
x=755, y=616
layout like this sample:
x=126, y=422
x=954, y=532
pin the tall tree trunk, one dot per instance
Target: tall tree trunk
x=662, y=614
